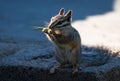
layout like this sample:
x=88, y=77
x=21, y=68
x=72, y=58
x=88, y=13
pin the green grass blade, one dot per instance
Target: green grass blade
x=38, y=28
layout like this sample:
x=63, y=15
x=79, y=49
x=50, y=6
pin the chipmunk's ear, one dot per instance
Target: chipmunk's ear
x=61, y=12
x=68, y=15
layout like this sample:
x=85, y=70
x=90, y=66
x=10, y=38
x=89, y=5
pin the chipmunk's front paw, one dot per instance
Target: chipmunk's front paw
x=47, y=30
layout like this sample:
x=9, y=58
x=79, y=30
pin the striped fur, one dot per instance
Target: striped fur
x=66, y=40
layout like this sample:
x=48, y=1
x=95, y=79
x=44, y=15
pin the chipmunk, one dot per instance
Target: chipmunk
x=66, y=40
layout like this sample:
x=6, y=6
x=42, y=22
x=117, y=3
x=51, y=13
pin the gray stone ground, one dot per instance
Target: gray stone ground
x=32, y=62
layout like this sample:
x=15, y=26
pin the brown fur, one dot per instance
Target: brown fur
x=66, y=40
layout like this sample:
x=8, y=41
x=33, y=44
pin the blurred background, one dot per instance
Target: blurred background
x=98, y=21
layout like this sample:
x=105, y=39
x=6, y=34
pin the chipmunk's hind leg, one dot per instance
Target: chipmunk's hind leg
x=75, y=68
x=52, y=70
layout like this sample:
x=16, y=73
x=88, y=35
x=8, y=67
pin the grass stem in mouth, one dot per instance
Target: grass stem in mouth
x=38, y=28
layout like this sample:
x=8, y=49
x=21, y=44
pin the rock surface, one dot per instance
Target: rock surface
x=33, y=63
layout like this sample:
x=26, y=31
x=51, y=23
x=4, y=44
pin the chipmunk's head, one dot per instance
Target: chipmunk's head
x=61, y=19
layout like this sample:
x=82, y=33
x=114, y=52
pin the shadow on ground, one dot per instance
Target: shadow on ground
x=17, y=18
x=43, y=10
